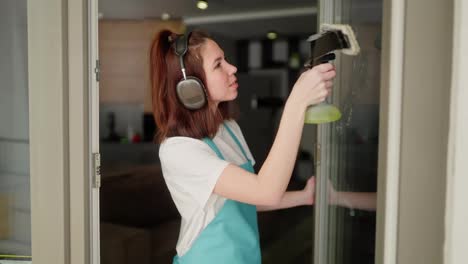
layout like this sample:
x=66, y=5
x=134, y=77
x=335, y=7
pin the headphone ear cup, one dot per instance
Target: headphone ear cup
x=191, y=93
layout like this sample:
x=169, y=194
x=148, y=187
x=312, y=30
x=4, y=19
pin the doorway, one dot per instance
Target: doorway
x=138, y=220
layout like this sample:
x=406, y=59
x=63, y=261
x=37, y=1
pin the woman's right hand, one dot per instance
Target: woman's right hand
x=313, y=86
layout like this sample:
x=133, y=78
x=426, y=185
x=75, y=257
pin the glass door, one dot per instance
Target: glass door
x=347, y=149
x=15, y=205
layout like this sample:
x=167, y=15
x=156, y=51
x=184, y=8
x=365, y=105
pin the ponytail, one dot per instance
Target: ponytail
x=158, y=74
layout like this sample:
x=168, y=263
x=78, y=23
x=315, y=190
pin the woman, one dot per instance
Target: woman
x=205, y=160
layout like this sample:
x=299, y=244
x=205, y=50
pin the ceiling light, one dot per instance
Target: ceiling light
x=165, y=16
x=202, y=4
x=272, y=35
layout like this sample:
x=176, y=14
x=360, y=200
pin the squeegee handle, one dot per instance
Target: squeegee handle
x=325, y=58
x=320, y=60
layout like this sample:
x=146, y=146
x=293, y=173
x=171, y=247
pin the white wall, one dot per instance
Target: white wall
x=14, y=139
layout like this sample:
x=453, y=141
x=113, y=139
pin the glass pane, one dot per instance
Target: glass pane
x=353, y=141
x=15, y=210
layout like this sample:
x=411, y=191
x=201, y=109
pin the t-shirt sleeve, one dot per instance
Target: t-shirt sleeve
x=191, y=166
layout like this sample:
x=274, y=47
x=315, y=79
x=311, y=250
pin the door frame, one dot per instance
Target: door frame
x=323, y=156
x=456, y=211
x=390, y=130
x=59, y=148
x=93, y=130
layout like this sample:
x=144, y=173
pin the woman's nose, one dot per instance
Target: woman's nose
x=232, y=69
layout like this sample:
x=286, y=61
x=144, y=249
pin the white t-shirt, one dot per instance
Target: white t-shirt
x=191, y=168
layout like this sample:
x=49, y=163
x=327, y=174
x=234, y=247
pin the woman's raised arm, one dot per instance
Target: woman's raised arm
x=268, y=187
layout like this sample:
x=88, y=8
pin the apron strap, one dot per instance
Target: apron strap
x=213, y=146
x=237, y=141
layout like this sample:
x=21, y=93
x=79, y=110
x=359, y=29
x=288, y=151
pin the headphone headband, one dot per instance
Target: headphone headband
x=180, y=48
x=181, y=44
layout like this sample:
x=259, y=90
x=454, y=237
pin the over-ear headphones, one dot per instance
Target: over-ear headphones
x=190, y=90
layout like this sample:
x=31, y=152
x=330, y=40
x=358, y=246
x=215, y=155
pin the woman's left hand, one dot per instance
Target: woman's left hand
x=309, y=191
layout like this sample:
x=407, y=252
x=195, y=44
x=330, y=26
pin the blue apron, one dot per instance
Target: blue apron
x=232, y=236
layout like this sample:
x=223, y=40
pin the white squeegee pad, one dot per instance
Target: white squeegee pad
x=348, y=31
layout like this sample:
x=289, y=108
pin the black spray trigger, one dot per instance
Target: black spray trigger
x=325, y=58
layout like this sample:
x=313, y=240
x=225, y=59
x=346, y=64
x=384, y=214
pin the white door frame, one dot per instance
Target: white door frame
x=456, y=214
x=93, y=63
x=390, y=130
x=59, y=148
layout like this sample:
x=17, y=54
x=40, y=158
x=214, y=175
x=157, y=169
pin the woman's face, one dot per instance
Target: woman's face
x=221, y=81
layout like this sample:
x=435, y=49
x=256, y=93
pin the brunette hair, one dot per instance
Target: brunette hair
x=172, y=118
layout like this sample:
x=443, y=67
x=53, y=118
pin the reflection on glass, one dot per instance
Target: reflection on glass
x=353, y=143
x=15, y=210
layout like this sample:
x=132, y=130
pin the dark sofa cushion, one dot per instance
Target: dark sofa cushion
x=124, y=245
x=139, y=198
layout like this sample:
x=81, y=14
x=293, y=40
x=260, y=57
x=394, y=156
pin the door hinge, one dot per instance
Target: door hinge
x=97, y=170
x=97, y=70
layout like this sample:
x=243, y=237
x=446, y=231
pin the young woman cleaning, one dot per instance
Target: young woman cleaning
x=205, y=160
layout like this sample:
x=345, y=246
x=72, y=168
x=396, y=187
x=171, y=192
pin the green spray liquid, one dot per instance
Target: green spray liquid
x=322, y=113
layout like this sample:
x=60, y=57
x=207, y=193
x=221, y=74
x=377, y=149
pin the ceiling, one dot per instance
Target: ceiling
x=241, y=19
x=237, y=19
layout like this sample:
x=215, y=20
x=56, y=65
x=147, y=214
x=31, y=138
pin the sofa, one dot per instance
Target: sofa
x=140, y=223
